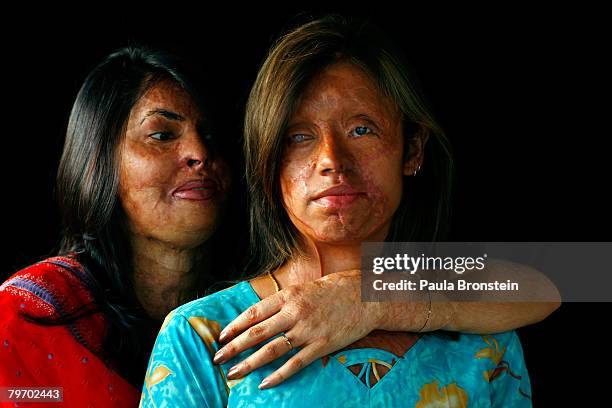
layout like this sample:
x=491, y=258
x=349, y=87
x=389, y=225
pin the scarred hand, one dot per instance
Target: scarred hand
x=319, y=317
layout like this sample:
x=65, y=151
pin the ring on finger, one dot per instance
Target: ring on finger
x=284, y=336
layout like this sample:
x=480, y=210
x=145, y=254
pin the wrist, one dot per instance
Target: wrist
x=428, y=312
x=377, y=315
x=443, y=316
x=398, y=316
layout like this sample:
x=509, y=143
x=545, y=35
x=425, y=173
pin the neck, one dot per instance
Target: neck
x=163, y=274
x=319, y=261
x=321, y=258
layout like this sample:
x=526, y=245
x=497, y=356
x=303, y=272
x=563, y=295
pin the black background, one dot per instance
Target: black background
x=520, y=93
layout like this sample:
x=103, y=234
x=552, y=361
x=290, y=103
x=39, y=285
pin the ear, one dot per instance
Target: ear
x=416, y=151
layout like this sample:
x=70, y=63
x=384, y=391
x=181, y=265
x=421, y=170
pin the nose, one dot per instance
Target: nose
x=333, y=155
x=195, y=154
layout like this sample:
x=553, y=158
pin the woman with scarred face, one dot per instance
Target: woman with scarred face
x=142, y=185
x=340, y=150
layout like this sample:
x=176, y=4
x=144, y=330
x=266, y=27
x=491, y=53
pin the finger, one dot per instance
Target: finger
x=251, y=337
x=254, y=314
x=300, y=360
x=269, y=352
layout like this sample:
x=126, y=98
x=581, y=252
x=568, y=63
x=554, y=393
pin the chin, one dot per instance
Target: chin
x=340, y=230
x=340, y=236
x=192, y=235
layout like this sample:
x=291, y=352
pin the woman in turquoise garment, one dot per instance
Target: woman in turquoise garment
x=335, y=138
x=437, y=371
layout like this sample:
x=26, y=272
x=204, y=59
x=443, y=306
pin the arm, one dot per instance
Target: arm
x=326, y=315
x=538, y=298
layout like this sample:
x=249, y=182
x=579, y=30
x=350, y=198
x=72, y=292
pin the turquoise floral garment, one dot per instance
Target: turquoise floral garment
x=437, y=371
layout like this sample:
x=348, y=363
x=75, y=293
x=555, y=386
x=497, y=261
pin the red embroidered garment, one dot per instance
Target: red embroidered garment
x=67, y=356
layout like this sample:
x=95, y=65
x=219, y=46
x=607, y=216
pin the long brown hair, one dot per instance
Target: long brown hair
x=290, y=65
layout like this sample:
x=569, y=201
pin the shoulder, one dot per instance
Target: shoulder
x=222, y=306
x=184, y=348
x=476, y=361
x=493, y=348
x=38, y=309
x=207, y=316
x=56, y=285
x=502, y=365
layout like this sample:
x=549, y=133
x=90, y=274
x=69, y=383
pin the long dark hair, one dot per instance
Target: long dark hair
x=423, y=213
x=87, y=187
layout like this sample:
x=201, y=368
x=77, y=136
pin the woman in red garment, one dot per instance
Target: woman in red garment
x=141, y=187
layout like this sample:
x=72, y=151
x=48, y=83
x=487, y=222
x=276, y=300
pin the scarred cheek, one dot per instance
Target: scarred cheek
x=378, y=199
x=378, y=166
x=143, y=182
x=388, y=146
x=374, y=214
x=295, y=181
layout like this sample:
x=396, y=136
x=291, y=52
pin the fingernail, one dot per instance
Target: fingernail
x=222, y=336
x=233, y=372
x=218, y=357
x=264, y=384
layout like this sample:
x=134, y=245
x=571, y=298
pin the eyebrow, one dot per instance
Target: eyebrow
x=297, y=125
x=368, y=118
x=163, y=112
x=363, y=116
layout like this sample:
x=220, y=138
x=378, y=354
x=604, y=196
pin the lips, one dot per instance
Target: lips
x=197, y=190
x=338, y=196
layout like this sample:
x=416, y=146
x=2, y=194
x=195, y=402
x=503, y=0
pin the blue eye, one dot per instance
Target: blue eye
x=361, y=131
x=161, y=136
x=299, y=138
